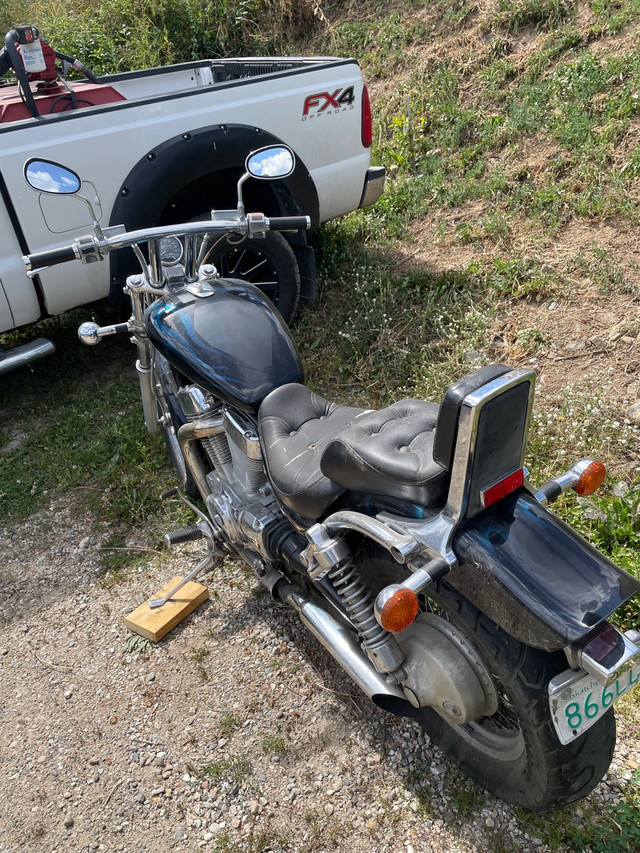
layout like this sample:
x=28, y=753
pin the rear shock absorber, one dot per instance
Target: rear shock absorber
x=379, y=644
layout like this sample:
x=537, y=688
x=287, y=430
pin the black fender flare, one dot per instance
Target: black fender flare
x=534, y=576
x=195, y=171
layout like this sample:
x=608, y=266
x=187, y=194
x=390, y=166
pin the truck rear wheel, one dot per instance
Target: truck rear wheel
x=268, y=263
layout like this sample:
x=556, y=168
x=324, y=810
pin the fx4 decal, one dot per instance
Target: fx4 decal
x=326, y=103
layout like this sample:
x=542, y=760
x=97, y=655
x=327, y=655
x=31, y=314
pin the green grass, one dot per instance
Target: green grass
x=234, y=771
x=514, y=15
x=199, y=654
x=362, y=39
x=274, y=744
x=450, y=147
x=596, y=828
x=613, y=16
x=228, y=723
x=259, y=842
x=74, y=422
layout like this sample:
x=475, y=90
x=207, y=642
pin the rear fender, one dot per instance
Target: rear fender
x=534, y=576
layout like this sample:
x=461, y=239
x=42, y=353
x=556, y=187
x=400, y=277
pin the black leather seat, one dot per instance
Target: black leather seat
x=315, y=450
x=295, y=427
x=389, y=452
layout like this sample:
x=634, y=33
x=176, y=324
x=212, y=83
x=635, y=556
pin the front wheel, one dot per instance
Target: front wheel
x=515, y=754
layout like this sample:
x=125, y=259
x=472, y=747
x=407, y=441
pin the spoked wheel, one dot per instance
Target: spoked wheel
x=514, y=753
x=268, y=263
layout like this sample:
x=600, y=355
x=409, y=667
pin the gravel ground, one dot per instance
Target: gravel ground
x=236, y=732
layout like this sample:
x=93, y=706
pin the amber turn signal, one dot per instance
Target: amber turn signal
x=591, y=478
x=399, y=611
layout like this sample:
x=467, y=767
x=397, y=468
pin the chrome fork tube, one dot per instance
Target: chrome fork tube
x=191, y=260
x=143, y=364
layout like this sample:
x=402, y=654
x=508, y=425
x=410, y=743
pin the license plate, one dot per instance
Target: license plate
x=577, y=700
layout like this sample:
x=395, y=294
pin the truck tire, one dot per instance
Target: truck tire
x=268, y=263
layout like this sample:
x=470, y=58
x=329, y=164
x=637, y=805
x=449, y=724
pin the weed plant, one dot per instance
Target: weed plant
x=229, y=772
x=122, y=35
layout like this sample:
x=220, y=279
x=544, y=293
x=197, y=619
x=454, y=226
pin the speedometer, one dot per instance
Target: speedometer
x=171, y=251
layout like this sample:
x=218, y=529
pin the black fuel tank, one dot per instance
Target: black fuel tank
x=231, y=342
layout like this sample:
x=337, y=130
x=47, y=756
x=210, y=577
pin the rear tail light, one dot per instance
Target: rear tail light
x=502, y=488
x=367, y=125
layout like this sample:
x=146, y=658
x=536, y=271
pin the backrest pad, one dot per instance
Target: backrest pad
x=447, y=425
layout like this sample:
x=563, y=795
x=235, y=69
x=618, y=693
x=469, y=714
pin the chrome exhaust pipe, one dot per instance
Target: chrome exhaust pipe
x=342, y=645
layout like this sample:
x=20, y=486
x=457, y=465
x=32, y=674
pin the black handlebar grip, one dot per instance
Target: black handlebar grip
x=52, y=257
x=288, y=223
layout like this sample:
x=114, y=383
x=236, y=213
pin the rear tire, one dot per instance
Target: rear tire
x=515, y=754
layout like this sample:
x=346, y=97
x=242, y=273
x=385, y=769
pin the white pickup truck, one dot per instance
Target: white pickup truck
x=167, y=145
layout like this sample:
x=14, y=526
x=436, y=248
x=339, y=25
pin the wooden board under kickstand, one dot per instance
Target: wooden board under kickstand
x=154, y=623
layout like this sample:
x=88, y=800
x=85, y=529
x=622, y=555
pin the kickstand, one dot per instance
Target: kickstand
x=158, y=602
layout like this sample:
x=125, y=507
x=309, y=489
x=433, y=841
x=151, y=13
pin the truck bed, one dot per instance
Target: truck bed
x=146, y=84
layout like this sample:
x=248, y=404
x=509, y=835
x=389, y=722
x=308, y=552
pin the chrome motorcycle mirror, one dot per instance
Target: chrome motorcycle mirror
x=267, y=164
x=48, y=177
x=277, y=161
x=45, y=176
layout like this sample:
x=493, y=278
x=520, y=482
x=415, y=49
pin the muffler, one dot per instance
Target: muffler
x=341, y=645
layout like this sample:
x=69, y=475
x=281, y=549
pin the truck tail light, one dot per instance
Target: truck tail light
x=367, y=125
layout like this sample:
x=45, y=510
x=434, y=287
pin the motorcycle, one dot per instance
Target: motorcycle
x=410, y=540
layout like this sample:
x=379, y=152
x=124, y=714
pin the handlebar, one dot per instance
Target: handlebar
x=52, y=257
x=93, y=247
